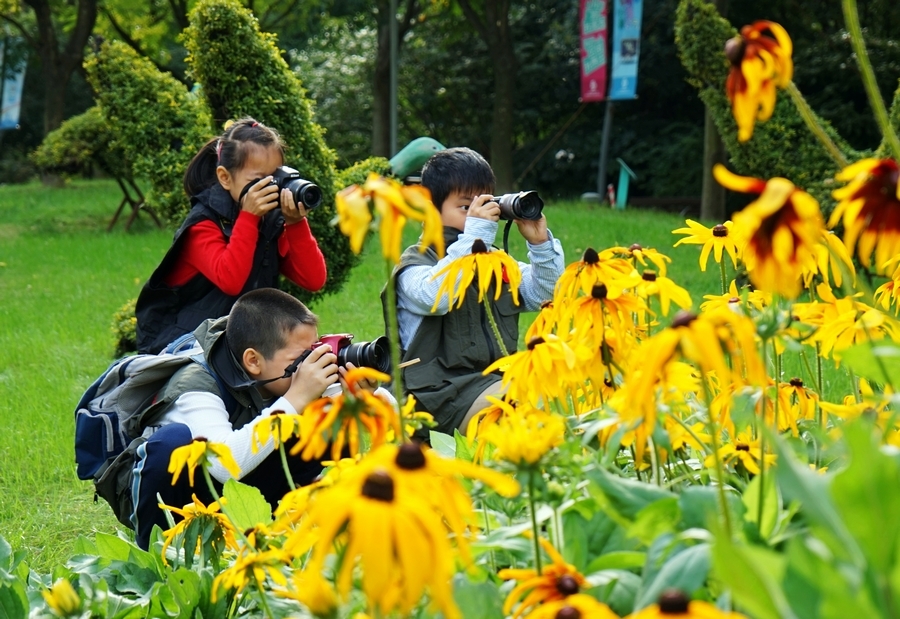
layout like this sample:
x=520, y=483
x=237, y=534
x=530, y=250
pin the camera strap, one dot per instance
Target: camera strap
x=509, y=223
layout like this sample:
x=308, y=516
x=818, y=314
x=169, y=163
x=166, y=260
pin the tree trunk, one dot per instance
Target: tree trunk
x=712, y=197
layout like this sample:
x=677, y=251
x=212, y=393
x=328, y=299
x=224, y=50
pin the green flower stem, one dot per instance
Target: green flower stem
x=263, y=602
x=394, y=337
x=722, y=275
x=851, y=17
x=762, y=437
x=225, y=509
x=654, y=463
x=536, y=533
x=487, y=528
x=494, y=328
x=720, y=470
x=815, y=127
x=284, y=465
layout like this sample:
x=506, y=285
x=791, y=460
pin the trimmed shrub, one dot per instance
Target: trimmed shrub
x=123, y=329
x=359, y=171
x=243, y=74
x=159, y=124
x=783, y=145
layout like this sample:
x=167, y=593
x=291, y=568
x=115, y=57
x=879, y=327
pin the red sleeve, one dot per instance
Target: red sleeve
x=225, y=262
x=302, y=261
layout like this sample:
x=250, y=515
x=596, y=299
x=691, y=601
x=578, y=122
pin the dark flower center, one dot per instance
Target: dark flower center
x=649, y=275
x=607, y=382
x=720, y=231
x=742, y=447
x=547, y=305
x=379, y=486
x=567, y=585
x=635, y=247
x=673, y=602
x=410, y=457
x=200, y=439
x=534, y=342
x=734, y=50
x=478, y=247
x=590, y=256
x=568, y=612
x=599, y=291
x=734, y=300
x=683, y=318
x=796, y=382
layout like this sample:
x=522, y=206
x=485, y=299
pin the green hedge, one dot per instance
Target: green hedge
x=783, y=145
x=359, y=171
x=243, y=74
x=159, y=124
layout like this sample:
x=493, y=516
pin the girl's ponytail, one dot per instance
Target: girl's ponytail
x=201, y=171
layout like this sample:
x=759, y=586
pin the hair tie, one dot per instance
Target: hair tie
x=219, y=152
x=255, y=124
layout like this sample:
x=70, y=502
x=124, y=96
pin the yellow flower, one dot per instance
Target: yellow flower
x=197, y=453
x=830, y=254
x=606, y=306
x=760, y=60
x=484, y=419
x=354, y=215
x=396, y=537
x=718, y=240
x=395, y=204
x=490, y=266
x=223, y=530
x=673, y=604
x=313, y=591
x=547, y=319
x=667, y=291
x=278, y=426
x=743, y=449
x=796, y=402
x=734, y=301
x=62, y=598
x=844, y=322
x=638, y=254
x=580, y=605
x=869, y=207
x=557, y=580
x=888, y=294
x=252, y=567
x=524, y=439
x=338, y=420
x=781, y=228
x=591, y=270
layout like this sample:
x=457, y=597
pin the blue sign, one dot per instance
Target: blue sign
x=12, y=79
x=626, y=48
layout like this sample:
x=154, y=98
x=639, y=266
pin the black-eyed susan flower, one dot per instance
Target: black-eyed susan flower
x=760, y=60
x=354, y=215
x=830, y=258
x=485, y=418
x=556, y=581
x=279, y=427
x=718, y=240
x=547, y=319
x=339, y=420
x=524, y=439
x=797, y=401
x=781, y=228
x=313, y=591
x=591, y=270
x=664, y=289
x=887, y=295
x=869, y=208
x=198, y=453
x=674, y=604
x=639, y=255
x=745, y=450
x=492, y=267
x=607, y=306
x=578, y=606
x=221, y=535
x=737, y=300
x=254, y=568
x=62, y=599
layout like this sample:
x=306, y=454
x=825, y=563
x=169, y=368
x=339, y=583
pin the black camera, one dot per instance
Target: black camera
x=305, y=192
x=522, y=205
x=375, y=354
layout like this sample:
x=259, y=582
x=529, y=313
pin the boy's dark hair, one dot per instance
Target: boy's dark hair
x=228, y=150
x=263, y=319
x=457, y=170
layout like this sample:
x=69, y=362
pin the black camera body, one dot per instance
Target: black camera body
x=305, y=192
x=521, y=205
x=375, y=354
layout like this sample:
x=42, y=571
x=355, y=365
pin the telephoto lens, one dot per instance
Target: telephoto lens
x=522, y=205
x=305, y=192
x=375, y=354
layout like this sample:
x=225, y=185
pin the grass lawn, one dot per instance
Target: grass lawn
x=62, y=276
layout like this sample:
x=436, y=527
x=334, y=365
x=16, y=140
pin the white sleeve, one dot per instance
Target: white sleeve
x=205, y=414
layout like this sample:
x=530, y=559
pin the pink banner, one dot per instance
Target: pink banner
x=593, y=50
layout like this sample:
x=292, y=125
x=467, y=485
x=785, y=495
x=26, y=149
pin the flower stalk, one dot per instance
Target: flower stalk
x=494, y=328
x=815, y=126
x=394, y=337
x=536, y=532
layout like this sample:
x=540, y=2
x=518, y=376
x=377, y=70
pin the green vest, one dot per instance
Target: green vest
x=455, y=348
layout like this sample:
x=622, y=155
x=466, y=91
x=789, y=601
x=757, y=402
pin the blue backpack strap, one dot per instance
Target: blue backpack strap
x=230, y=402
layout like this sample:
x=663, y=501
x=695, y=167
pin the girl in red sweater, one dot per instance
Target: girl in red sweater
x=241, y=233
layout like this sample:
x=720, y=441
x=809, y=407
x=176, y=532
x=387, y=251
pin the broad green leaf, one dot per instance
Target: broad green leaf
x=5, y=555
x=754, y=576
x=127, y=578
x=575, y=533
x=700, y=507
x=686, y=570
x=185, y=587
x=443, y=444
x=461, y=447
x=877, y=362
x=657, y=518
x=615, y=588
x=477, y=600
x=112, y=547
x=84, y=546
x=618, y=560
x=771, y=504
x=13, y=599
x=625, y=496
x=246, y=505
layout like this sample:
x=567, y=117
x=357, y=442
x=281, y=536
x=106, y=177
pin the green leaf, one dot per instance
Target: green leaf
x=615, y=588
x=5, y=555
x=617, y=560
x=443, y=444
x=246, y=505
x=84, y=546
x=771, y=504
x=461, y=447
x=13, y=599
x=686, y=570
x=625, y=496
x=754, y=576
x=700, y=507
x=877, y=362
x=657, y=518
x=113, y=547
x=477, y=600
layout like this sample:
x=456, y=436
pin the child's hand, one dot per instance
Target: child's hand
x=315, y=374
x=483, y=208
x=534, y=231
x=260, y=198
x=293, y=212
x=363, y=383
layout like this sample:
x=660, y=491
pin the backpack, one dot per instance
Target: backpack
x=109, y=416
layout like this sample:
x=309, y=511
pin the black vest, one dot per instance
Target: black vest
x=454, y=349
x=165, y=313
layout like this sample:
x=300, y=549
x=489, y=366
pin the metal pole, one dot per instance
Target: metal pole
x=395, y=52
x=604, y=149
